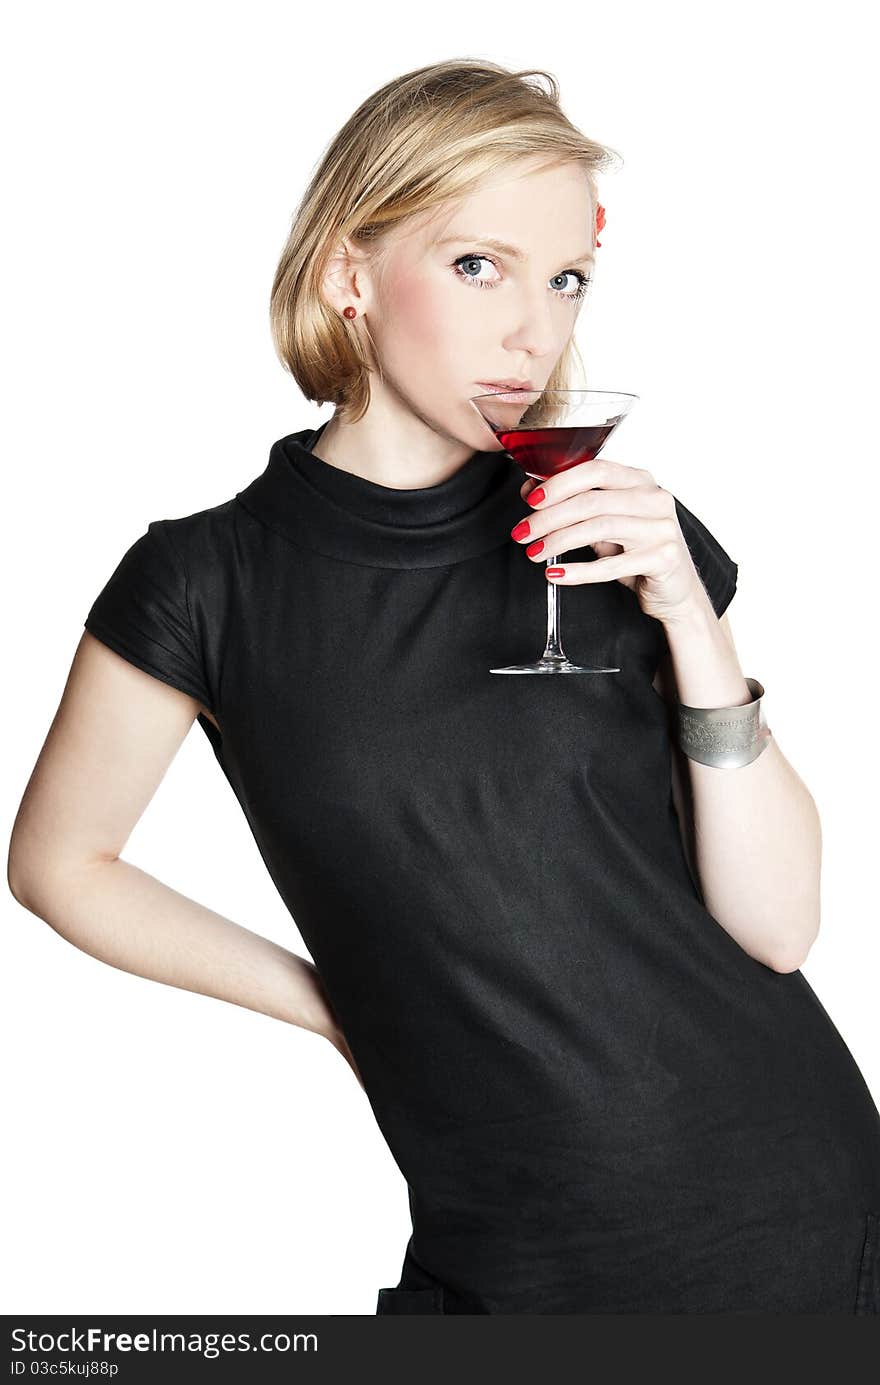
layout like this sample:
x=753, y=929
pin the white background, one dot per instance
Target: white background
x=166, y=1152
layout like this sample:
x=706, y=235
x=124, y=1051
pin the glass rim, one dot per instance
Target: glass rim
x=608, y=394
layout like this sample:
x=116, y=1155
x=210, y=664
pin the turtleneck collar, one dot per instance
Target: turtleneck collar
x=342, y=515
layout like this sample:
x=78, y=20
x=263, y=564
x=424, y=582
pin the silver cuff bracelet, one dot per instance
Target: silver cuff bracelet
x=726, y=737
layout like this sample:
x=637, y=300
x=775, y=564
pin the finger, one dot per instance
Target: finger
x=635, y=562
x=600, y=473
x=633, y=500
x=629, y=530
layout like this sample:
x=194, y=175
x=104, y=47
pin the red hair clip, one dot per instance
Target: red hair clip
x=600, y=220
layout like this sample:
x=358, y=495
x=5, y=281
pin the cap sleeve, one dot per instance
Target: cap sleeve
x=142, y=613
x=717, y=570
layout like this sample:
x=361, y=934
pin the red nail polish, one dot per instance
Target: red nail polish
x=535, y=497
x=520, y=530
x=535, y=547
x=555, y=571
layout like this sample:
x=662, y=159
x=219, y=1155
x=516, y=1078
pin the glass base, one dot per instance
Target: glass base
x=551, y=665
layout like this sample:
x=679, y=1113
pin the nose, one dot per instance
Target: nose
x=536, y=327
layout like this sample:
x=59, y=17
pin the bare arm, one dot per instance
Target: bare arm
x=113, y=737
x=752, y=835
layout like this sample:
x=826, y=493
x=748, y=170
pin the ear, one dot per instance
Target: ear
x=345, y=279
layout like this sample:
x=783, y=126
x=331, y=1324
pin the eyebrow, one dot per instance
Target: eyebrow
x=504, y=248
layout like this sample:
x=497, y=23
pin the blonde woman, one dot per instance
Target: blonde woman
x=557, y=940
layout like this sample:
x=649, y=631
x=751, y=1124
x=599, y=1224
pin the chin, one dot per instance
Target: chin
x=474, y=433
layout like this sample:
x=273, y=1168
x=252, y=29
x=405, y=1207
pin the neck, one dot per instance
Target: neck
x=392, y=447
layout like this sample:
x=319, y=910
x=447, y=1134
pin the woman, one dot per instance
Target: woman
x=609, y=1087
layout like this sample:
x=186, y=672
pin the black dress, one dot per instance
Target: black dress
x=599, y=1101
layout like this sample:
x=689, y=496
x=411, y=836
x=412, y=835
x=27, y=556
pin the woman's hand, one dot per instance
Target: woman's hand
x=338, y=1040
x=323, y=1019
x=631, y=524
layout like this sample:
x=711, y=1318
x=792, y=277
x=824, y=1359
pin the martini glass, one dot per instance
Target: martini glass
x=545, y=432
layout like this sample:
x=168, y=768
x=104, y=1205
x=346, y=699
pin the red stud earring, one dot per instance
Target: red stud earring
x=349, y=312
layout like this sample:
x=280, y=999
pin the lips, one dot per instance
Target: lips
x=500, y=386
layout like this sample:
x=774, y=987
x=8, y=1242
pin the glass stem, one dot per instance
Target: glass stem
x=553, y=648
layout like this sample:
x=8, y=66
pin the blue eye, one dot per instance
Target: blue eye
x=583, y=280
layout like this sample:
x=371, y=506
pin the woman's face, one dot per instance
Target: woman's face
x=449, y=311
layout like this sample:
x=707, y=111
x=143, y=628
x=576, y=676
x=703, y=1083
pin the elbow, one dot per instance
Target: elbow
x=22, y=858
x=793, y=950
x=14, y=880
x=17, y=882
x=23, y=868
x=787, y=964
x=792, y=957
x=40, y=881
x=29, y=880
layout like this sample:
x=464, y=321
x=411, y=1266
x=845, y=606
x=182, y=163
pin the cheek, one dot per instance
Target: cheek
x=425, y=313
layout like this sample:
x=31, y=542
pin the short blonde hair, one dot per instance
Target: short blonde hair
x=425, y=138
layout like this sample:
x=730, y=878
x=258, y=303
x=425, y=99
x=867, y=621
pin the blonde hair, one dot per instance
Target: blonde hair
x=425, y=138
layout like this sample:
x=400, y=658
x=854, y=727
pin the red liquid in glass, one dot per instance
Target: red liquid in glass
x=543, y=452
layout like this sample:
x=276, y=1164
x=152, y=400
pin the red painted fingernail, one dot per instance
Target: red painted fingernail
x=520, y=530
x=535, y=497
x=555, y=571
x=535, y=547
